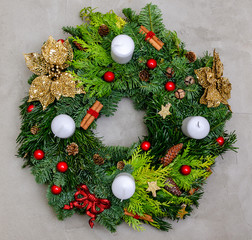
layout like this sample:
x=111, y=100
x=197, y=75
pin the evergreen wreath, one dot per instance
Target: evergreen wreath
x=78, y=78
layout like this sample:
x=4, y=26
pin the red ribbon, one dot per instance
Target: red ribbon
x=93, y=112
x=136, y=216
x=88, y=201
x=149, y=35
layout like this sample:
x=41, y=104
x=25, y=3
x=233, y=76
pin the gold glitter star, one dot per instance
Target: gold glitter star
x=182, y=212
x=153, y=187
x=165, y=110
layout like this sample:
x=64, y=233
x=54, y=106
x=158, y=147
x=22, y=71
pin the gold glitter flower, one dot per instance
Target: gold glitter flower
x=217, y=88
x=52, y=82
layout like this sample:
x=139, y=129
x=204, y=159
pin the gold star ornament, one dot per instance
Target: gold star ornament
x=165, y=110
x=182, y=212
x=153, y=187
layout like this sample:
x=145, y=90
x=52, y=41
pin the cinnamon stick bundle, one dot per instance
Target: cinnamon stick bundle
x=153, y=40
x=91, y=115
x=145, y=217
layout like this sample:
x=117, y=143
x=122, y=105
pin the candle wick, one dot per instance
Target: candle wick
x=198, y=124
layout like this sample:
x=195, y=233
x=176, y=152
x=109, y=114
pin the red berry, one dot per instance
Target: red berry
x=56, y=189
x=170, y=86
x=109, y=76
x=62, y=166
x=61, y=40
x=185, y=169
x=220, y=140
x=151, y=63
x=145, y=145
x=39, y=154
x=30, y=108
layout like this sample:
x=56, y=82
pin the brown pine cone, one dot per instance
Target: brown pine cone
x=79, y=46
x=34, y=130
x=171, y=154
x=103, y=30
x=120, y=165
x=144, y=75
x=172, y=187
x=72, y=149
x=98, y=159
x=191, y=56
x=169, y=72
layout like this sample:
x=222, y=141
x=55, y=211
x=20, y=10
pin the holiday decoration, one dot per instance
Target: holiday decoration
x=196, y=127
x=151, y=38
x=144, y=182
x=62, y=167
x=91, y=115
x=88, y=201
x=109, y=76
x=165, y=110
x=180, y=94
x=170, y=86
x=39, y=154
x=217, y=88
x=171, y=154
x=122, y=48
x=151, y=63
x=185, y=170
x=56, y=190
x=220, y=140
x=145, y=145
x=123, y=186
x=61, y=40
x=30, y=108
x=63, y=126
x=52, y=82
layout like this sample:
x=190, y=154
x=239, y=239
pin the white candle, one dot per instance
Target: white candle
x=63, y=126
x=196, y=127
x=123, y=186
x=122, y=48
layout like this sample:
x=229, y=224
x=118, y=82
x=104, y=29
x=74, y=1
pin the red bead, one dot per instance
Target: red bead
x=151, y=63
x=109, y=76
x=62, y=166
x=56, y=189
x=145, y=145
x=30, y=108
x=61, y=40
x=220, y=140
x=170, y=86
x=185, y=169
x=39, y=154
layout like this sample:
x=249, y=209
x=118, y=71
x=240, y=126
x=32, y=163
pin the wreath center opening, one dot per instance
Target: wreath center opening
x=124, y=128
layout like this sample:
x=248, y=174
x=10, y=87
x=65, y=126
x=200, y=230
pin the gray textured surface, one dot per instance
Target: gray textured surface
x=225, y=209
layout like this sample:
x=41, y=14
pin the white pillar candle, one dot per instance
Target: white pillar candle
x=196, y=127
x=63, y=126
x=122, y=48
x=123, y=186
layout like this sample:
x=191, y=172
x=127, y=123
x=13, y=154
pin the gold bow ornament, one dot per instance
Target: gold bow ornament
x=51, y=82
x=217, y=87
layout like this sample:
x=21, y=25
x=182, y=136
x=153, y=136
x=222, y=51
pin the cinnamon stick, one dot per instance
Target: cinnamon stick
x=145, y=217
x=88, y=115
x=92, y=118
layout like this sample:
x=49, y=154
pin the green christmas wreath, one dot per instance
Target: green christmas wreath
x=161, y=177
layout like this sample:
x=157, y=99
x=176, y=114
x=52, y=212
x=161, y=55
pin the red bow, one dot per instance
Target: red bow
x=90, y=201
x=149, y=35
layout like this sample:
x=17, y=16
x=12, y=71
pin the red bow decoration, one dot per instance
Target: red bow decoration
x=149, y=35
x=88, y=201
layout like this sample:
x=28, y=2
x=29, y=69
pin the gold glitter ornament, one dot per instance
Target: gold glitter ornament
x=217, y=88
x=52, y=82
x=165, y=110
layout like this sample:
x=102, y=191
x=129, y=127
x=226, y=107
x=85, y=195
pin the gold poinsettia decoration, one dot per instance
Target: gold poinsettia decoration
x=217, y=87
x=52, y=82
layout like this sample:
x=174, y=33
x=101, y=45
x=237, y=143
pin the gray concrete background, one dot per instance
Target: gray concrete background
x=225, y=210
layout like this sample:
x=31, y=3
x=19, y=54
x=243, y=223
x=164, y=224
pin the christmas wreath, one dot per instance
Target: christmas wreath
x=107, y=58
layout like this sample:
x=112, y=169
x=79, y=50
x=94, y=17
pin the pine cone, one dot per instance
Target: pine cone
x=169, y=72
x=120, y=165
x=98, y=159
x=79, y=46
x=144, y=75
x=180, y=94
x=34, y=130
x=103, y=30
x=172, y=187
x=191, y=56
x=189, y=80
x=171, y=154
x=72, y=149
